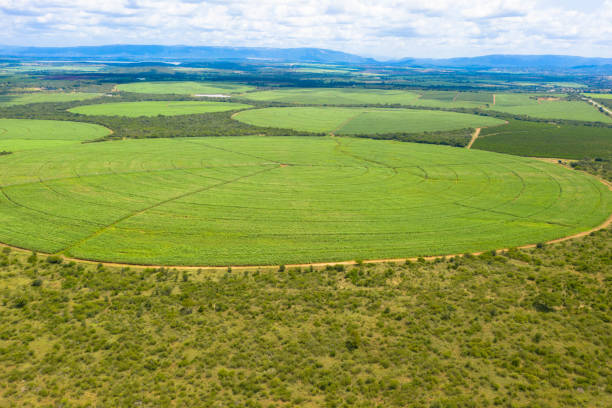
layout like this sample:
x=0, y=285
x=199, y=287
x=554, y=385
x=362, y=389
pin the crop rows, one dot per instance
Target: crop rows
x=154, y=108
x=363, y=121
x=264, y=200
x=547, y=140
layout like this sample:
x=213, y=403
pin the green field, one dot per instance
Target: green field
x=598, y=96
x=528, y=104
x=547, y=140
x=357, y=96
x=154, y=108
x=185, y=88
x=363, y=121
x=22, y=99
x=271, y=200
x=18, y=134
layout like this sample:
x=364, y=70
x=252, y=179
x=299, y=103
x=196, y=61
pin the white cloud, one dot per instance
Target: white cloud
x=385, y=28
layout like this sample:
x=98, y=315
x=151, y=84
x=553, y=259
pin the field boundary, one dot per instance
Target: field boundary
x=604, y=225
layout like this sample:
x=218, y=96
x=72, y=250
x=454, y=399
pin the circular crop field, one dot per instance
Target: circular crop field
x=184, y=87
x=271, y=200
x=363, y=120
x=20, y=134
x=154, y=108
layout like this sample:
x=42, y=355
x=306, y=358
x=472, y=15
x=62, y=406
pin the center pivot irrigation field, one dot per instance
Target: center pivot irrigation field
x=362, y=120
x=17, y=134
x=355, y=96
x=184, y=88
x=271, y=200
x=40, y=97
x=154, y=108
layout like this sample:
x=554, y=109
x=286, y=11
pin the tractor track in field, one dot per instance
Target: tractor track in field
x=158, y=204
x=607, y=223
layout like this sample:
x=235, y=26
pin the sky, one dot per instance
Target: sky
x=383, y=29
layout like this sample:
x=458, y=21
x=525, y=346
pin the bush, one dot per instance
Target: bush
x=54, y=259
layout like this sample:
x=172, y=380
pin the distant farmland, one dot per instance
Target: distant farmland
x=362, y=121
x=39, y=97
x=184, y=88
x=355, y=96
x=547, y=107
x=17, y=135
x=154, y=108
x=547, y=140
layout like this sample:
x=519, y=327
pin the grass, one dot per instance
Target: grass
x=533, y=105
x=547, y=140
x=23, y=99
x=272, y=200
x=184, y=88
x=154, y=108
x=362, y=121
x=356, y=96
x=524, y=328
x=20, y=134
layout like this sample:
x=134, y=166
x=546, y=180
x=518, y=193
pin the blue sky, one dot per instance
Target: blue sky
x=382, y=29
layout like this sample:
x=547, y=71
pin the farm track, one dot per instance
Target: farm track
x=474, y=137
x=607, y=223
x=600, y=106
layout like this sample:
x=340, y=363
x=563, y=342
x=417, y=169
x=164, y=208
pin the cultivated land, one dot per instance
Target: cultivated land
x=184, y=88
x=547, y=140
x=598, y=96
x=272, y=200
x=22, y=99
x=363, y=121
x=154, y=108
x=17, y=134
x=546, y=106
x=354, y=96
x=517, y=328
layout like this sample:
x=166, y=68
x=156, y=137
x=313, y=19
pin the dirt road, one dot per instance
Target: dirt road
x=474, y=137
x=599, y=106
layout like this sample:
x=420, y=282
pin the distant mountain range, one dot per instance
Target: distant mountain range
x=511, y=62
x=159, y=53
x=181, y=52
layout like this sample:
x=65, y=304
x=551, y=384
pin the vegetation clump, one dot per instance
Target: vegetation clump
x=518, y=328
